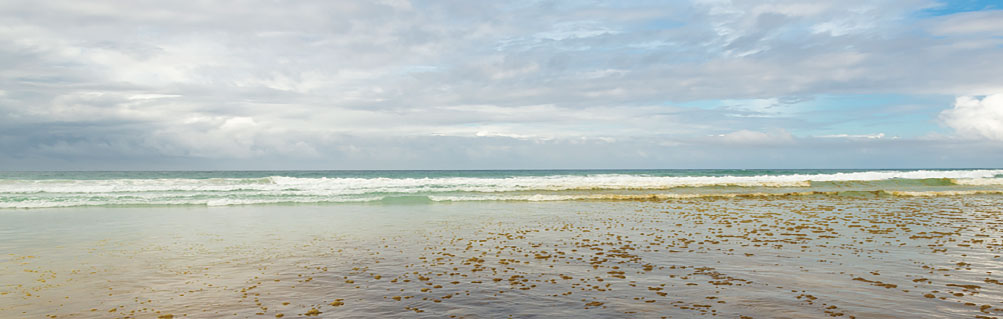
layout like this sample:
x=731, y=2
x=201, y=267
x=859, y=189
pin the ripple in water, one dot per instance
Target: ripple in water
x=865, y=257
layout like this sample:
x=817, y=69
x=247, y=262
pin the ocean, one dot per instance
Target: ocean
x=499, y=244
x=223, y=188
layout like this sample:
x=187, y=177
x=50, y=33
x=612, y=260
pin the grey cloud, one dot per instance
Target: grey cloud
x=324, y=83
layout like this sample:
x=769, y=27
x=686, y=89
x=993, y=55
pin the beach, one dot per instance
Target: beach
x=501, y=159
x=856, y=255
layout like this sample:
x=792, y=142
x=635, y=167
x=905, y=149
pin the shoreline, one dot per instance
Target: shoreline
x=611, y=259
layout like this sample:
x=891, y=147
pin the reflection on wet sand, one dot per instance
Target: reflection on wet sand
x=882, y=257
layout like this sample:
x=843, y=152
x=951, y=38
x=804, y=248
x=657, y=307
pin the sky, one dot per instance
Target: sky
x=398, y=84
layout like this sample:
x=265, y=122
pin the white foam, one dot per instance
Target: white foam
x=945, y=193
x=979, y=181
x=347, y=186
x=83, y=202
x=281, y=189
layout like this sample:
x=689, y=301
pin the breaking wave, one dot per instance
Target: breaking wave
x=220, y=191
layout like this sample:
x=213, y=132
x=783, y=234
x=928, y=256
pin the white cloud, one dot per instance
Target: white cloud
x=575, y=30
x=749, y=137
x=975, y=118
x=210, y=80
x=981, y=22
x=856, y=136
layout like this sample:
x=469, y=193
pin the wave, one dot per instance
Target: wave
x=662, y=197
x=39, y=193
x=324, y=186
x=430, y=199
x=978, y=181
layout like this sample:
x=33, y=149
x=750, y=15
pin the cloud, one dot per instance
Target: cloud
x=972, y=117
x=757, y=138
x=855, y=136
x=272, y=82
x=968, y=23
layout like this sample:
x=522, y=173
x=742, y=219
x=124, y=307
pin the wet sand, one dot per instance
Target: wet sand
x=782, y=257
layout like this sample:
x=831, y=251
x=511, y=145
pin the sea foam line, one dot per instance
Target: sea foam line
x=348, y=186
x=485, y=198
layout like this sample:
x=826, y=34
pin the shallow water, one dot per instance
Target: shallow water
x=763, y=257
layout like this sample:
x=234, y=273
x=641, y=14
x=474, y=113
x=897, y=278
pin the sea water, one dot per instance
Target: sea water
x=731, y=243
x=69, y=189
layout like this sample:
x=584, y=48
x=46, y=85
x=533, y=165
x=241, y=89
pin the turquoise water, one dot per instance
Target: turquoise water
x=224, y=188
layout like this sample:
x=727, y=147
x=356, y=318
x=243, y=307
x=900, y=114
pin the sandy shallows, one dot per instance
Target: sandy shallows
x=732, y=257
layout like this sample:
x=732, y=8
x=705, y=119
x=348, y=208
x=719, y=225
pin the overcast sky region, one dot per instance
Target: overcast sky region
x=398, y=84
